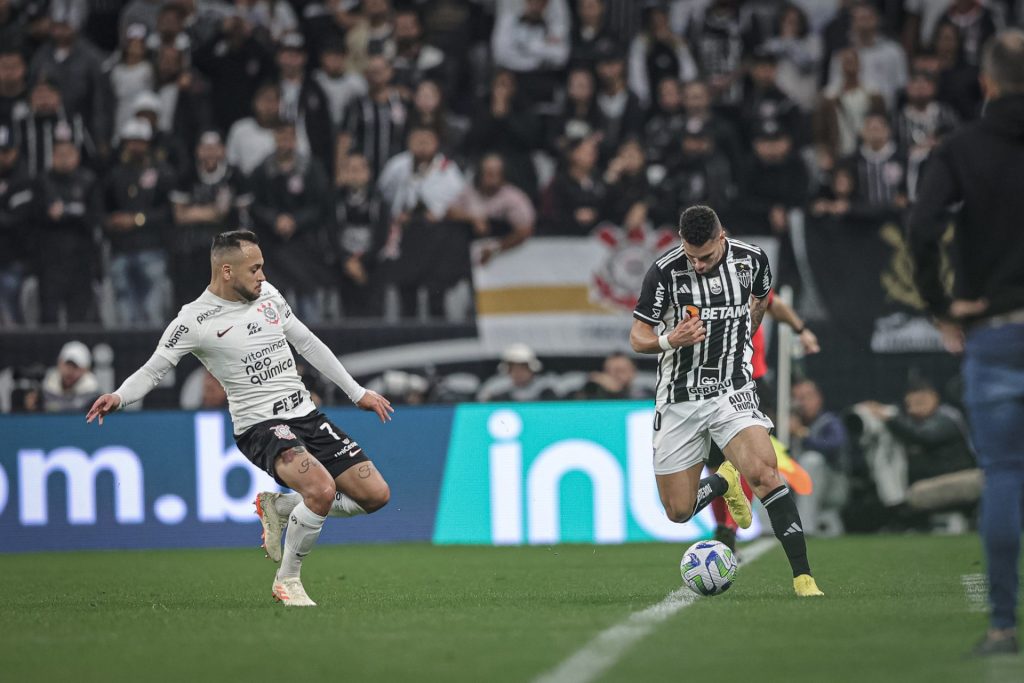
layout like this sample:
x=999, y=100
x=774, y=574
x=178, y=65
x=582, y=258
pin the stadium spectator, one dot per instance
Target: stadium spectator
x=958, y=80
x=429, y=109
x=764, y=102
x=591, y=28
x=207, y=200
x=142, y=12
x=202, y=391
x=574, y=200
x=290, y=199
x=362, y=229
x=628, y=187
x=835, y=198
x=374, y=125
x=237, y=65
x=975, y=22
x=371, y=35
x=35, y=129
x=414, y=60
x=138, y=218
x=531, y=39
x=883, y=64
x=167, y=147
x=798, y=52
x=173, y=25
x=19, y=209
x=922, y=119
x=330, y=27
x=251, y=140
x=402, y=388
x=130, y=73
x=68, y=254
x=184, y=99
x=12, y=25
x=622, y=115
x=839, y=118
x=13, y=84
x=420, y=188
x=70, y=386
x=920, y=123
x=819, y=444
x=700, y=116
x=700, y=175
x=879, y=170
x=718, y=46
x=775, y=182
x=517, y=378
x=500, y=210
x=303, y=101
x=580, y=116
x=657, y=53
x=665, y=125
x=75, y=67
x=274, y=19
x=615, y=380
x=340, y=85
x=504, y=127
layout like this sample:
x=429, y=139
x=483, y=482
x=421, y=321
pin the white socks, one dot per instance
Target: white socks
x=343, y=506
x=304, y=527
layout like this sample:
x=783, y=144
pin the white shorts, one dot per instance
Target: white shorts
x=683, y=431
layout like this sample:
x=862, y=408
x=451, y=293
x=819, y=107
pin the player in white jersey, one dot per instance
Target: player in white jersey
x=699, y=307
x=240, y=329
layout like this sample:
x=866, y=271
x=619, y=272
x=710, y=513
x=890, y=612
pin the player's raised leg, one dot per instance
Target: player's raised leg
x=303, y=473
x=684, y=494
x=752, y=453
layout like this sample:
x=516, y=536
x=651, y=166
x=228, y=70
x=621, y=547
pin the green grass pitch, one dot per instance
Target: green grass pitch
x=895, y=610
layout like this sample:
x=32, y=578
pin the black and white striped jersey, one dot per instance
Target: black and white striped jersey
x=720, y=363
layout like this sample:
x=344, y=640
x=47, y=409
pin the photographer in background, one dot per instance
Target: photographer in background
x=70, y=386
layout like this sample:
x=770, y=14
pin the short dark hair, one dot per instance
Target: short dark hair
x=1003, y=60
x=232, y=239
x=698, y=224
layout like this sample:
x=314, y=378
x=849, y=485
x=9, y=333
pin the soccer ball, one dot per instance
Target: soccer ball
x=708, y=567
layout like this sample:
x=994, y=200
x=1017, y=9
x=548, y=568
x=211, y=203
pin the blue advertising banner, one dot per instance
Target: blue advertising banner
x=503, y=474
x=176, y=479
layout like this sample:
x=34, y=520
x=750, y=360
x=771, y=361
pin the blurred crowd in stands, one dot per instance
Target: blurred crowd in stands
x=370, y=143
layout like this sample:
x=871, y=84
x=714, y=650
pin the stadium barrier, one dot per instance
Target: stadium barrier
x=502, y=474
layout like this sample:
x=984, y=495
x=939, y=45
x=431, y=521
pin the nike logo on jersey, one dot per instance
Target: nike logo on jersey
x=221, y=333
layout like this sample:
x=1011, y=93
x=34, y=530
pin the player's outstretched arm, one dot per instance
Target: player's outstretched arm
x=104, y=405
x=324, y=360
x=784, y=313
x=132, y=389
x=757, y=309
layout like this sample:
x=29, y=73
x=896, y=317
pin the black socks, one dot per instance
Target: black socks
x=786, y=524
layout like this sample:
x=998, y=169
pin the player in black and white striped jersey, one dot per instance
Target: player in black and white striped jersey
x=699, y=306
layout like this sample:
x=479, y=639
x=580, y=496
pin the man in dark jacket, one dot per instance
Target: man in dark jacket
x=138, y=220
x=303, y=101
x=19, y=200
x=978, y=169
x=68, y=253
x=290, y=203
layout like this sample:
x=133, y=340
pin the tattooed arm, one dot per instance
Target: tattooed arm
x=757, y=309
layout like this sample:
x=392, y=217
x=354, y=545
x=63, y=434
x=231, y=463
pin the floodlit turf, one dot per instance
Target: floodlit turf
x=895, y=611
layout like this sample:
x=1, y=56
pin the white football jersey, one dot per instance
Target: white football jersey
x=244, y=345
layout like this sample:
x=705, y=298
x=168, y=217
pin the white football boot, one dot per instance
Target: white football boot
x=273, y=523
x=290, y=592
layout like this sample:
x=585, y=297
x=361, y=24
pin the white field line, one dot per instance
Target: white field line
x=976, y=592
x=607, y=647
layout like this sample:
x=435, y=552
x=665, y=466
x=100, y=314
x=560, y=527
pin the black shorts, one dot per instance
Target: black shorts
x=335, y=449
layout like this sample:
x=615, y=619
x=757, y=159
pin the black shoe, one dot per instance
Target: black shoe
x=724, y=534
x=995, y=646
